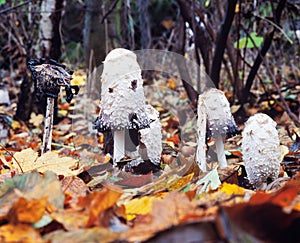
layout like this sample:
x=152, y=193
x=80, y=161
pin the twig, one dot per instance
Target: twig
x=114, y=4
x=13, y=157
x=15, y=7
x=287, y=108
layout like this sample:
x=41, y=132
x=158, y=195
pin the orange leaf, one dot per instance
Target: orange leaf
x=99, y=201
x=25, y=211
x=174, y=139
x=19, y=233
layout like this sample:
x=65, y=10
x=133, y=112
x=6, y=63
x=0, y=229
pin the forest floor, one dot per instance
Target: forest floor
x=73, y=193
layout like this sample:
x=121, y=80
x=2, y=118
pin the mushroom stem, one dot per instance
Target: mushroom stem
x=48, y=125
x=220, y=152
x=119, y=145
x=201, y=148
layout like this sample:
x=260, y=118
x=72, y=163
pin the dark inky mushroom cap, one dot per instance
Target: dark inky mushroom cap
x=49, y=76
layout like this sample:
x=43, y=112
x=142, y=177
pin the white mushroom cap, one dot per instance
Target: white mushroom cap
x=261, y=151
x=150, y=138
x=122, y=93
x=219, y=118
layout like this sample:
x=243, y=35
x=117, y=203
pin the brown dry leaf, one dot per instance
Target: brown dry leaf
x=19, y=233
x=96, y=234
x=71, y=219
x=27, y=211
x=50, y=161
x=174, y=209
x=266, y=216
x=99, y=201
x=26, y=158
x=74, y=187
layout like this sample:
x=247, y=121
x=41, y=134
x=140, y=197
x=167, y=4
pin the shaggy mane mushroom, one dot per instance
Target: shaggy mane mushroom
x=261, y=151
x=214, y=120
x=123, y=107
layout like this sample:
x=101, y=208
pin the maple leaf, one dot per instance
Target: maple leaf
x=36, y=120
x=28, y=160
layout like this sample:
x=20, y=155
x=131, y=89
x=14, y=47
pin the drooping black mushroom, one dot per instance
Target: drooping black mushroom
x=122, y=106
x=49, y=76
x=215, y=120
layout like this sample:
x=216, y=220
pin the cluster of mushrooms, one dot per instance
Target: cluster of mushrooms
x=132, y=128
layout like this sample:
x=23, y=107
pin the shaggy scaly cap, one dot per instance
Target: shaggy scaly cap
x=261, y=151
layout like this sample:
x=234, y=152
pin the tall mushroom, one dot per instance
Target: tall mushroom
x=49, y=76
x=214, y=120
x=122, y=104
x=261, y=151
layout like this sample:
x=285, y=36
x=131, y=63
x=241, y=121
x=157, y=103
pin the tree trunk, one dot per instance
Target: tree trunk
x=49, y=35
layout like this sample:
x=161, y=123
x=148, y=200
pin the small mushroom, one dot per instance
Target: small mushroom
x=214, y=120
x=122, y=104
x=261, y=151
x=48, y=77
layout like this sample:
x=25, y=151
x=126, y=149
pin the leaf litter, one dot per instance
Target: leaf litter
x=73, y=194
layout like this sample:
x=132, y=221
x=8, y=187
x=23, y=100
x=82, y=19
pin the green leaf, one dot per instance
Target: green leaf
x=2, y=2
x=247, y=42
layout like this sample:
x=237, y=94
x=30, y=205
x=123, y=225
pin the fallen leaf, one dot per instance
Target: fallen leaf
x=71, y=219
x=19, y=233
x=232, y=189
x=172, y=210
x=27, y=211
x=180, y=182
x=108, y=198
x=82, y=235
x=36, y=120
x=31, y=186
x=28, y=160
x=138, y=206
x=211, y=181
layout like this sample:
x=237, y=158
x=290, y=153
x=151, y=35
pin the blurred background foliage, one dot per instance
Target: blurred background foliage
x=250, y=49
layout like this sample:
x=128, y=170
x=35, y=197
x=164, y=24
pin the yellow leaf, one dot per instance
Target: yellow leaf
x=181, y=182
x=36, y=120
x=15, y=124
x=19, y=233
x=137, y=206
x=231, y=189
x=62, y=112
x=78, y=78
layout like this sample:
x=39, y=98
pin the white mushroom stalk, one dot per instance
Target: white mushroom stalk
x=261, y=151
x=122, y=98
x=214, y=120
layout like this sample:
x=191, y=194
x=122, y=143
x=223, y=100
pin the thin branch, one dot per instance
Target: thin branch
x=221, y=42
x=12, y=157
x=260, y=56
x=286, y=106
x=15, y=7
x=112, y=7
